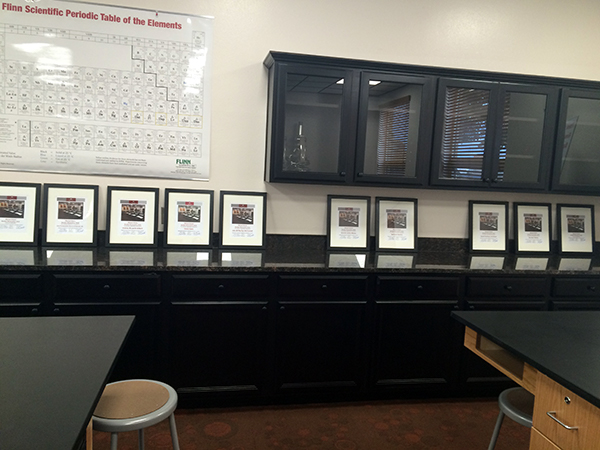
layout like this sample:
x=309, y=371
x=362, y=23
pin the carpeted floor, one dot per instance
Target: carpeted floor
x=398, y=425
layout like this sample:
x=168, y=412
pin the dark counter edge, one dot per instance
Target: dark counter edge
x=458, y=315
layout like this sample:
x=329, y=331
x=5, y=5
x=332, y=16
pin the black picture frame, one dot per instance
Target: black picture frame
x=237, y=207
x=115, y=212
x=532, y=228
x=492, y=215
x=576, y=235
x=64, y=206
x=403, y=219
x=342, y=228
x=14, y=233
x=200, y=224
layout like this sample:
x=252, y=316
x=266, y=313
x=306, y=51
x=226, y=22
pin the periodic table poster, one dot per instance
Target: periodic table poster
x=93, y=89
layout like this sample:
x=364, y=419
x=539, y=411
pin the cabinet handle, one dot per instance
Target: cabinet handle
x=282, y=308
x=551, y=415
x=56, y=310
x=359, y=174
x=34, y=311
x=419, y=288
x=324, y=287
x=221, y=287
x=487, y=180
x=592, y=288
x=342, y=174
x=107, y=286
x=494, y=180
x=508, y=287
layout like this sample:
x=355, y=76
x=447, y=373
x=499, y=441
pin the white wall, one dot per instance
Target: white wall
x=554, y=38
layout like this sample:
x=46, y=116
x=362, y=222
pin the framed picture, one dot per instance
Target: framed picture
x=131, y=217
x=243, y=219
x=70, y=215
x=395, y=224
x=19, y=213
x=533, y=227
x=575, y=228
x=348, y=222
x=488, y=226
x=188, y=218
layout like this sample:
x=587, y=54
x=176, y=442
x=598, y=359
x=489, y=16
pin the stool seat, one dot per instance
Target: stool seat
x=516, y=403
x=134, y=405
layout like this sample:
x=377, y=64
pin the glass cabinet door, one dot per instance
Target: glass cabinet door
x=313, y=133
x=394, y=129
x=577, y=155
x=463, y=140
x=524, y=137
x=494, y=134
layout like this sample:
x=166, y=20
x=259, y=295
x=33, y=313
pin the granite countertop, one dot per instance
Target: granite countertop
x=563, y=345
x=295, y=254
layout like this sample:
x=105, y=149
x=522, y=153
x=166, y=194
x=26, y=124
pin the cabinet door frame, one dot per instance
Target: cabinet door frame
x=277, y=123
x=423, y=149
x=557, y=186
x=438, y=133
x=548, y=132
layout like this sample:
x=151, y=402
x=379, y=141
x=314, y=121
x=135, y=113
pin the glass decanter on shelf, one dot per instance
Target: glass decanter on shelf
x=297, y=159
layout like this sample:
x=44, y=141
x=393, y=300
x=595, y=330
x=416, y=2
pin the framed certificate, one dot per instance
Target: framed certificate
x=575, y=228
x=188, y=218
x=131, y=217
x=348, y=222
x=243, y=219
x=395, y=224
x=70, y=215
x=19, y=213
x=488, y=226
x=533, y=227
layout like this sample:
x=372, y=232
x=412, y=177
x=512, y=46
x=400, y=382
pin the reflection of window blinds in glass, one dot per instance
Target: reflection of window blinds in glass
x=463, y=139
x=392, y=140
x=502, y=155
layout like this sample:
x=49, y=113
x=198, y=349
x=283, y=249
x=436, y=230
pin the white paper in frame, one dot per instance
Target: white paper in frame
x=493, y=217
x=396, y=225
x=349, y=234
x=189, y=218
x=78, y=227
x=19, y=224
x=576, y=229
x=140, y=232
x=533, y=228
x=242, y=220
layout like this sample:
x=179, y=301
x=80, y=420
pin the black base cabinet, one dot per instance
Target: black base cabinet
x=249, y=336
x=218, y=335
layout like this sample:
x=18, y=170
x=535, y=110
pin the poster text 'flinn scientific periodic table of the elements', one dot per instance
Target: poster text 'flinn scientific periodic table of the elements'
x=93, y=89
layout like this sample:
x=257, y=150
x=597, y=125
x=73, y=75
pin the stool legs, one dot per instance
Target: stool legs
x=113, y=441
x=173, y=432
x=141, y=439
x=496, y=431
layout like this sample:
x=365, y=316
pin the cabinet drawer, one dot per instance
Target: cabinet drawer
x=199, y=286
x=576, y=287
x=505, y=287
x=574, y=412
x=540, y=442
x=90, y=288
x=20, y=288
x=311, y=287
x=417, y=288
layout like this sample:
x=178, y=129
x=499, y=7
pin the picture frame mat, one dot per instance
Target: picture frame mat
x=200, y=235
x=362, y=235
x=228, y=228
x=526, y=240
x=17, y=231
x=484, y=242
x=88, y=220
x=403, y=241
x=116, y=195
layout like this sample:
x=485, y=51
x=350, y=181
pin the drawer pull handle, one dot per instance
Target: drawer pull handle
x=508, y=287
x=551, y=415
x=592, y=288
x=107, y=286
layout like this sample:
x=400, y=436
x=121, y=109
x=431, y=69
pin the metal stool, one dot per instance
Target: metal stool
x=134, y=405
x=517, y=404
